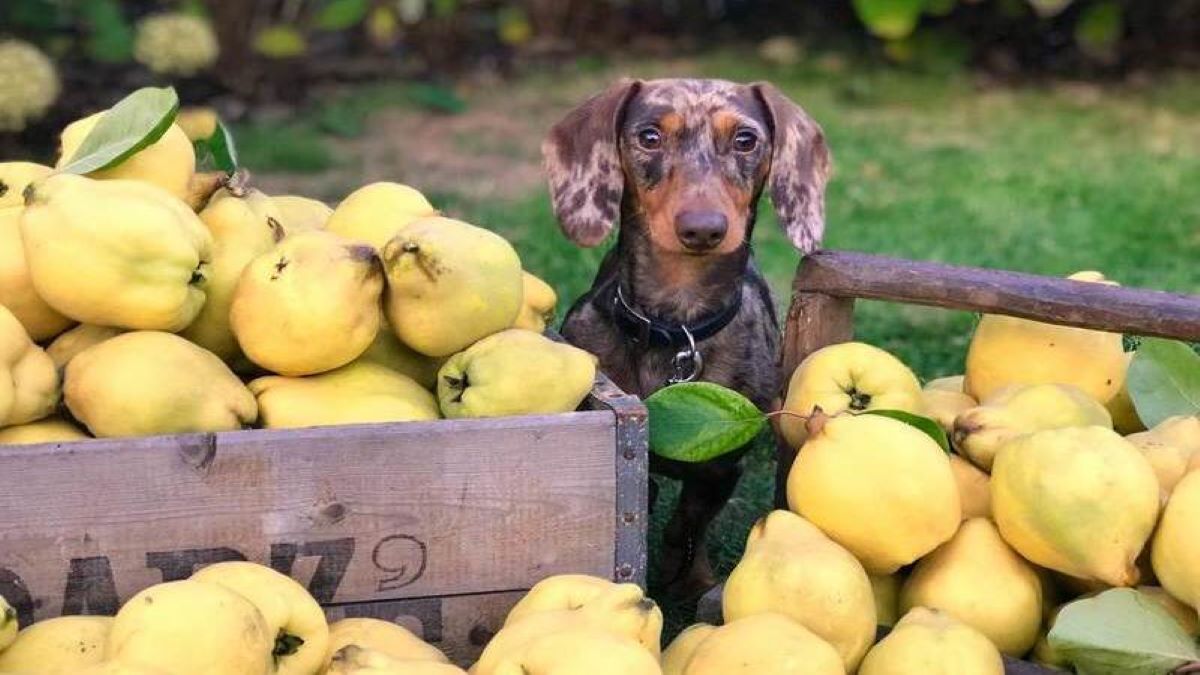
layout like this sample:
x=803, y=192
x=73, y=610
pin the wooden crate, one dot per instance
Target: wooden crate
x=439, y=526
x=828, y=283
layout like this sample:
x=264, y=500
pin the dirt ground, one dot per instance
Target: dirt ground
x=490, y=151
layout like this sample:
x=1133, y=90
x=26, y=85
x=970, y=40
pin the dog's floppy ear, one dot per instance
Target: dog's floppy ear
x=799, y=169
x=584, y=167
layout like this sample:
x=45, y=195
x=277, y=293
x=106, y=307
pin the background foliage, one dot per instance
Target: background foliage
x=275, y=51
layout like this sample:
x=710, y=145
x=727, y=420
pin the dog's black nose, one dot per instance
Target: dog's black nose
x=701, y=230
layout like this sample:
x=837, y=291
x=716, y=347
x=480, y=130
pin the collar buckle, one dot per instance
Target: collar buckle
x=688, y=363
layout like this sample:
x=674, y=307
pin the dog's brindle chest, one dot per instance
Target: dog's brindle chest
x=731, y=358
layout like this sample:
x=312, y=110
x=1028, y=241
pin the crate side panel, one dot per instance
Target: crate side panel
x=356, y=513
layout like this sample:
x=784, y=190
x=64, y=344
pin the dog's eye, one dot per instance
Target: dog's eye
x=745, y=141
x=649, y=138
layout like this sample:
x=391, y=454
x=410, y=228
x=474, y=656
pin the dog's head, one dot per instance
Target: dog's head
x=693, y=155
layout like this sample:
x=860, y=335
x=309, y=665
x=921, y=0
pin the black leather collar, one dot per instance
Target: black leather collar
x=653, y=332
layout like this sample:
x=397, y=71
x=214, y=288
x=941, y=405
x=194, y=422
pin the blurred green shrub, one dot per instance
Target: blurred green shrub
x=277, y=49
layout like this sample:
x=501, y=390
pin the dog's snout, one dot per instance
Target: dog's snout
x=701, y=230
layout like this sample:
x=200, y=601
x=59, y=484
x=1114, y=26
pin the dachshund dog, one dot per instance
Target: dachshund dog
x=682, y=163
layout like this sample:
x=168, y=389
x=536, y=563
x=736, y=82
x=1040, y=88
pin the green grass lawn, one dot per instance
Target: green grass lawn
x=1048, y=180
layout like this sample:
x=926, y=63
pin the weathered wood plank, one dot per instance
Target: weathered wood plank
x=814, y=320
x=357, y=513
x=633, y=476
x=1073, y=303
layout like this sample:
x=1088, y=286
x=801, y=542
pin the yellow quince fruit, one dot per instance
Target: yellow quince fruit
x=15, y=177
x=355, y=660
x=559, y=592
x=301, y=214
x=167, y=163
x=1082, y=501
x=387, y=350
x=47, y=430
x=17, y=293
x=1170, y=462
x=976, y=578
x=309, y=305
x=1172, y=447
x=41, y=321
x=450, y=284
x=955, y=383
x=197, y=123
x=145, y=383
x=192, y=627
x=358, y=393
x=1007, y=351
x=677, y=654
x=576, y=651
x=931, y=642
x=974, y=488
x=851, y=376
x=374, y=213
x=944, y=406
x=115, y=668
x=886, y=588
x=623, y=611
x=380, y=636
x=515, y=372
x=1124, y=415
x=244, y=224
x=115, y=253
x=537, y=305
x=1021, y=409
x=879, y=487
x=291, y=614
x=8, y=624
x=1175, y=552
x=58, y=646
x=579, y=591
x=66, y=346
x=764, y=643
x=791, y=568
x=29, y=383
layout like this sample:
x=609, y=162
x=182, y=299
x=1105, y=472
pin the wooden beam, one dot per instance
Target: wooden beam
x=1062, y=301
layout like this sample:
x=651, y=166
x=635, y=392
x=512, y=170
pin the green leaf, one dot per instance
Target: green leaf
x=217, y=151
x=697, y=421
x=280, y=42
x=342, y=14
x=889, y=19
x=1121, y=632
x=109, y=34
x=1164, y=380
x=135, y=122
x=224, y=152
x=930, y=427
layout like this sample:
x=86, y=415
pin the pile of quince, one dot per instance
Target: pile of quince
x=242, y=618
x=1051, y=491
x=149, y=298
